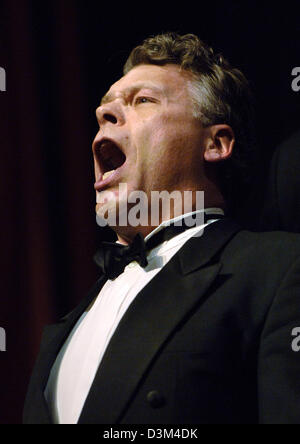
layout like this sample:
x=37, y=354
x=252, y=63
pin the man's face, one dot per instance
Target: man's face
x=148, y=135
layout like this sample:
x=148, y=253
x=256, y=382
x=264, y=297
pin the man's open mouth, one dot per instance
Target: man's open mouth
x=110, y=157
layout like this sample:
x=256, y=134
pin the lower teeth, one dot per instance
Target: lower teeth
x=108, y=173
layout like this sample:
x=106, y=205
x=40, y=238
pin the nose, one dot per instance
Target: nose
x=110, y=113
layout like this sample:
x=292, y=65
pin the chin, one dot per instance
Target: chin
x=112, y=213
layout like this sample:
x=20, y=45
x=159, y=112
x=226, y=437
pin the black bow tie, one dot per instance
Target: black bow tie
x=112, y=257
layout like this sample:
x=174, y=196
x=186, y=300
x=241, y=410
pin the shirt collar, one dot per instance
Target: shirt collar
x=165, y=223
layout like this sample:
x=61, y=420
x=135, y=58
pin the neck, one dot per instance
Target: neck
x=168, y=207
x=125, y=234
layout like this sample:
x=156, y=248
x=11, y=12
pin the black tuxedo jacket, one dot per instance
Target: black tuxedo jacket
x=208, y=340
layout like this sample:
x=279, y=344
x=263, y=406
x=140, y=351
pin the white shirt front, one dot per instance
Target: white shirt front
x=77, y=362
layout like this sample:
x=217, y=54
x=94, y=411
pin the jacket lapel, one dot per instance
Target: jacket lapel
x=54, y=336
x=150, y=320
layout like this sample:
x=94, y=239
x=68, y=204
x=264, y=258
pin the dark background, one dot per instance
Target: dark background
x=60, y=57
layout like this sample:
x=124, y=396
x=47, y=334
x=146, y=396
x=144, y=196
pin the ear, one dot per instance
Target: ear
x=220, y=143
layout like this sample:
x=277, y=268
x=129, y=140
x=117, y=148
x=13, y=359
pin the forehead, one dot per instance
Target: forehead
x=168, y=79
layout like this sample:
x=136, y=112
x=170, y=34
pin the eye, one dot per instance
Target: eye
x=143, y=99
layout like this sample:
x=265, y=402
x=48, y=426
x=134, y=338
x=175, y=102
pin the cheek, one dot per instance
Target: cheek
x=170, y=145
x=155, y=136
x=166, y=144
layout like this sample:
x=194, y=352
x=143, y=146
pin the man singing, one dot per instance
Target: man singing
x=189, y=322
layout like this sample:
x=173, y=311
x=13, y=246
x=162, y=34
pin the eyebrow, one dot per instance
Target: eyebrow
x=108, y=97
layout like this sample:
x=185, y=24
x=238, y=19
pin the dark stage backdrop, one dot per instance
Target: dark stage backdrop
x=60, y=57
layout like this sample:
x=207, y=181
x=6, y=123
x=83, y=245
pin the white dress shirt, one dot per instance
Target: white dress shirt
x=77, y=362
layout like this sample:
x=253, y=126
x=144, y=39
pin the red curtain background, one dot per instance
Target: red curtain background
x=48, y=225
x=60, y=57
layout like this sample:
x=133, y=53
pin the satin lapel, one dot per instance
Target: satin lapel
x=53, y=338
x=151, y=318
x=199, y=251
